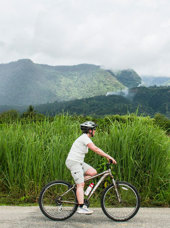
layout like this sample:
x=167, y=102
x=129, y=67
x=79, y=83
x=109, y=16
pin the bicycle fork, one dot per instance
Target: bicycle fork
x=115, y=185
x=116, y=190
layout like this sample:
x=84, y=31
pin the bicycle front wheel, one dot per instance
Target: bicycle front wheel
x=57, y=202
x=124, y=209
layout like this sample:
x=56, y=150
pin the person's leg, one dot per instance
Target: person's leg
x=89, y=171
x=82, y=209
x=77, y=172
x=80, y=193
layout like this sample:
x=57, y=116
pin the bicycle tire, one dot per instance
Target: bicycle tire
x=52, y=206
x=124, y=210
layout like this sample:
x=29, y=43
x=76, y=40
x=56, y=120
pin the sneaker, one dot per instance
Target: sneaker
x=84, y=210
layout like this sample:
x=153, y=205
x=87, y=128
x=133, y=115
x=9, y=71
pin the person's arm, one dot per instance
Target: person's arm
x=97, y=150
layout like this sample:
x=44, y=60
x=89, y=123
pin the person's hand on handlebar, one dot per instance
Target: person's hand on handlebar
x=112, y=160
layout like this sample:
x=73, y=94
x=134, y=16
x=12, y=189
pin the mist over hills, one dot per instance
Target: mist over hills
x=155, y=81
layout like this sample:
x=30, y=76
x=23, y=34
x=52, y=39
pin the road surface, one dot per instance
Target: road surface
x=31, y=217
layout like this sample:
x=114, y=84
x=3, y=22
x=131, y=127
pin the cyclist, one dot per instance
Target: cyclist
x=80, y=170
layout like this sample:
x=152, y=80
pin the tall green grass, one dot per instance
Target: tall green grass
x=32, y=154
x=143, y=154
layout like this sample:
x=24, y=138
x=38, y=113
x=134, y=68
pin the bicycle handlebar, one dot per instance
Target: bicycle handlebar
x=110, y=161
x=108, y=164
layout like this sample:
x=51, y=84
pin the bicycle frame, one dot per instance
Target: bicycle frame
x=104, y=175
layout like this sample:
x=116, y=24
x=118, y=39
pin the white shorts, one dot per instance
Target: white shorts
x=78, y=170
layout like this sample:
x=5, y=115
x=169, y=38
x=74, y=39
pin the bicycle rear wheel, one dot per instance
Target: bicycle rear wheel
x=54, y=205
x=124, y=210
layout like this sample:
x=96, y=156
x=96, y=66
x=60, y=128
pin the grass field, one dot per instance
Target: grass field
x=34, y=153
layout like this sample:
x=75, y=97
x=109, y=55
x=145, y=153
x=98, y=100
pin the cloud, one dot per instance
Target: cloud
x=112, y=33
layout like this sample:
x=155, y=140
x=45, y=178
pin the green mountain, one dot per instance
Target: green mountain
x=129, y=78
x=24, y=82
x=78, y=89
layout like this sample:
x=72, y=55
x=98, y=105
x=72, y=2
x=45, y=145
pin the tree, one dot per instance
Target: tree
x=31, y=114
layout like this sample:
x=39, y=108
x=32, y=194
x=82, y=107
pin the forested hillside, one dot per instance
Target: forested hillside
x=155, y=98
x=147, y=101
x=129, y=78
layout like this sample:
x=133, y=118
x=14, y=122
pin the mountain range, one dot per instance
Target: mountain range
x=86, y=89
x=26, y=83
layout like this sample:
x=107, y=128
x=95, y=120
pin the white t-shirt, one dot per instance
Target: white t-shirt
x=79, y=148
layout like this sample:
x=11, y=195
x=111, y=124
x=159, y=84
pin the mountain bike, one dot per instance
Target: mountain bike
x=120, y=201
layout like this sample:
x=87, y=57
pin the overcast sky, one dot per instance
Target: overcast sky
x=116, y=34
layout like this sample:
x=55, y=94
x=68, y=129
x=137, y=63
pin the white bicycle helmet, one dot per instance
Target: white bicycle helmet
x=88, y=125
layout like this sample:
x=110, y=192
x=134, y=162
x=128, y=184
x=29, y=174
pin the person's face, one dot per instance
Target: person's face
x=92, y=132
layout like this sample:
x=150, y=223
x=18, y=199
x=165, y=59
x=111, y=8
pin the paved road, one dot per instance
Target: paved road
x=31, y=217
